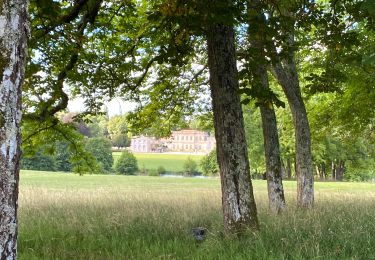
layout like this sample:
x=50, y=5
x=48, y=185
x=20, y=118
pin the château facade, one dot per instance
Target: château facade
x=187, y=140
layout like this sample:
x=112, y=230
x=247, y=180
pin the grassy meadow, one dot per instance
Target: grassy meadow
x=66, y=216
x=171, y=162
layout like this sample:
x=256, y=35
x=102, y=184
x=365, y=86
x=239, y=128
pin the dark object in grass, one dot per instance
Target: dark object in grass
x=199, y=233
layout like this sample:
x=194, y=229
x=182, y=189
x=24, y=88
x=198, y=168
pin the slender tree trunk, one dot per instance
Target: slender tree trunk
x=269, y=124
x=237, y=192
x=289, y=168
x=333, y=169
x=317, y=169
x=276, y=197
x=13, y=47
x=287, y=76
x=324, y=173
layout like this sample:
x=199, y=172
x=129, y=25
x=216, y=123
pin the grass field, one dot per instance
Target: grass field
x=171, y=162
x=66, y=216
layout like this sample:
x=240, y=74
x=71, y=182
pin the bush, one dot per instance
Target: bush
x=126, y=164
x=153, y=172
x=209, y=164
x=101, y=149
x=39, y=162
x=161, y=170
x=190, y=167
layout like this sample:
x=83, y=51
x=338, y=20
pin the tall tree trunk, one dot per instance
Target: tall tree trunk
x=286, y=73
x=276, y=197
x=237, y=192
x=13, y=47
x=269, y=124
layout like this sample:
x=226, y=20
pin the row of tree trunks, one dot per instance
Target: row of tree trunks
x=287, y=168
x=13, y=45
x=337, y=170
x=321, y=171
x=237, y=192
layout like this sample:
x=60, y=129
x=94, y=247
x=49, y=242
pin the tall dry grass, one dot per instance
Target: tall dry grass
x=119, y=217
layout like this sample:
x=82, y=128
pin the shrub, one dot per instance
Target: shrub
x=153, y=172
x=161, y=170
x=101, y=149
x=126, y=164
x=209, y=164
x=190, y=167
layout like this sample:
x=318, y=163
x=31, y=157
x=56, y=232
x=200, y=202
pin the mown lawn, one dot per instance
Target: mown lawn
x=171, y=162
x=66, y=216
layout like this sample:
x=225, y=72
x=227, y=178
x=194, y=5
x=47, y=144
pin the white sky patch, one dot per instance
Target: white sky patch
x=115, y=107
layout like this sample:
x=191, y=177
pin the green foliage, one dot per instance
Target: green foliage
x=190, y=167
x=254, y=139
x=161, y=170
x=97, y=125
x=39, y=162
x=157, y=172
x=209, y=164
x=120, y=140
x=62, y=141
x=126, y=164
x=101, y=149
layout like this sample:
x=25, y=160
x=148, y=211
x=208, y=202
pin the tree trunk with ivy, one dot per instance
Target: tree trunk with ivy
x=13, y=44
x=237, y=192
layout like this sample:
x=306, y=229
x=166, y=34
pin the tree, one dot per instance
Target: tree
x=209, y=164
x=238, y=200
x=13, y=45
x=126, y=164
x=117, y=129
x=259, y=79
x=190, y=166
x=101, y=149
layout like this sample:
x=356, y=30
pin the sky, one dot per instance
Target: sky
x=115, y=107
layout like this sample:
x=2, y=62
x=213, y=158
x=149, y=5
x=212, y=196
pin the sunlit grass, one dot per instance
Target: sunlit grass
x=66, y=216
x=171, y=162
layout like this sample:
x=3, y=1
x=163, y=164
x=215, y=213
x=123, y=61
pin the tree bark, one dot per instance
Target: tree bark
x=237, y=192
x=13, y=45
x=276, y=197
x=286, y=73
